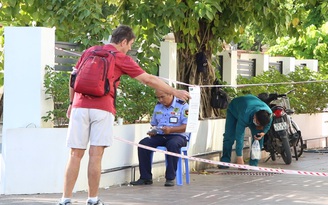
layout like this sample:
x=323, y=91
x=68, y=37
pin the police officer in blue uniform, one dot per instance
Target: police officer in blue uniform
x=244, y=111
x=169, y=121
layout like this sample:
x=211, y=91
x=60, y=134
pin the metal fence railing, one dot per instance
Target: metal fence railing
x=66, y=55
x=246, y=68
x=276, y=65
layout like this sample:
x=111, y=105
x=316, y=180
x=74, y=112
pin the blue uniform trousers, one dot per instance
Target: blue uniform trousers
x=173, y=143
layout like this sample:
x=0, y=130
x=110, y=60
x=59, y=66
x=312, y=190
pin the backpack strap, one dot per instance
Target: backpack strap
x=99, y=51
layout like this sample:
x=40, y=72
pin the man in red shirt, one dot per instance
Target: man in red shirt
x=92, y=118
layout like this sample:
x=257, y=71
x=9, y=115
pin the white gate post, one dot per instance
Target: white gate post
x=27, y=51
x=229, y=68
x=168, y=67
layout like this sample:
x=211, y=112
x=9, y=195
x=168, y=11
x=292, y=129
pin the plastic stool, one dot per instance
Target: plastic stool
x=179, y=172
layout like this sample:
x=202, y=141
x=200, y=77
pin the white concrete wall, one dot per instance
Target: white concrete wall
x=36, y=157
x=312, y=127
x=288, y=63
x=262, y=64
x=310, y=63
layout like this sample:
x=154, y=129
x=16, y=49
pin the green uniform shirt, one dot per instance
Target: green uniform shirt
x=244, y=108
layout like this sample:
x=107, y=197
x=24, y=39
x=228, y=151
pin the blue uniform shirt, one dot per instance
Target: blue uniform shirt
x=173, y=116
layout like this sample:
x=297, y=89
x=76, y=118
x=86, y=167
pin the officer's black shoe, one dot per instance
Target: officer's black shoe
x=223, y=167
x=142, y=182
x=169, y=183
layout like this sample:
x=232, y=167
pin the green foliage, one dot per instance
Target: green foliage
x=135, y=101
x=86, y=22
x=197, y=25
x=271, y=76
x=202, y=26
x=56, y=87
x=304, y=14
x=148, y=58
x=311, y=44
x=202, y=23
x=316, y=13
x=307, y=97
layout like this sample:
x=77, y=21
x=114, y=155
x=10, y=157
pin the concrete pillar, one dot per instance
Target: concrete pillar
x=310, y=63
x=168, y=67
x=27, y=51
x=229, y=67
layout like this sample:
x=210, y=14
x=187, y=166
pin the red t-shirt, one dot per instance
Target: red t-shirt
x=124, y=65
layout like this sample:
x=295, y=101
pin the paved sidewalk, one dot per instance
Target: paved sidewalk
x=215, y=187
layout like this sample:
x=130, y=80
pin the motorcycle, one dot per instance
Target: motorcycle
x=284, y=134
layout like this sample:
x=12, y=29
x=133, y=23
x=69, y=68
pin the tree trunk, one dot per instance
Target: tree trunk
x=187, y=66
x=187, y=73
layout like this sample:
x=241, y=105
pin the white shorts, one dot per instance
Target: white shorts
x=92, y=125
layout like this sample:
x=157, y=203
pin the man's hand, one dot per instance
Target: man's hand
x=151, y=134
x=182, y=94
x=68, y=112
x=166, y=130
x=259, y=136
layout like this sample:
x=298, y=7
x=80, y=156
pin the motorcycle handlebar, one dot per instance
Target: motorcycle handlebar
x=285, y=94
x=282, y=95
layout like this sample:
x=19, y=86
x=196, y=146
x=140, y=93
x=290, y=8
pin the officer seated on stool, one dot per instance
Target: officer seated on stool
x=170, y=118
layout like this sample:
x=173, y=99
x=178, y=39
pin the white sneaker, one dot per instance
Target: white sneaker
x=95, y=203
x=64, y=203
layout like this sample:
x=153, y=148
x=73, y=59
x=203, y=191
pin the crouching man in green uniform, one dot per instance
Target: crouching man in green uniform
x=244, y=111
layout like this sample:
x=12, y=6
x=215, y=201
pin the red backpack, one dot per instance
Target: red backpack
x=95, y=73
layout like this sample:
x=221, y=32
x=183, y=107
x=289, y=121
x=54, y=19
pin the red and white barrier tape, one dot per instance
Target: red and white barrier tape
x=272, y=170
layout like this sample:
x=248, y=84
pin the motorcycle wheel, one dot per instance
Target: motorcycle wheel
x=298, y=148
x=299, y=145
x=273, y=156
x=286, y=151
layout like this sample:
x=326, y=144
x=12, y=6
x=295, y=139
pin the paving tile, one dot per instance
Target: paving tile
x=216, y=187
